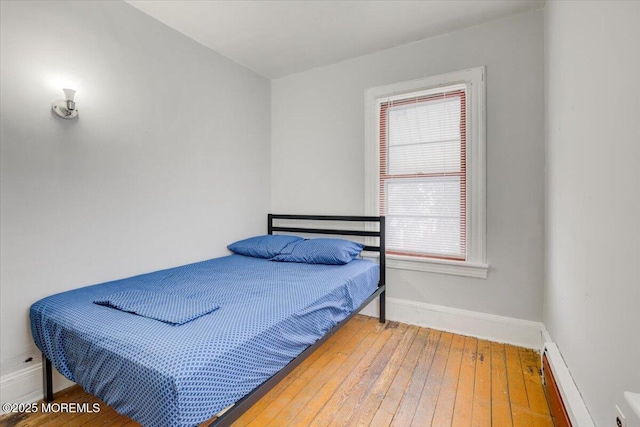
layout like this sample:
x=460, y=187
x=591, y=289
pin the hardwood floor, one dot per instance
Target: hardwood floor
x=380, y=375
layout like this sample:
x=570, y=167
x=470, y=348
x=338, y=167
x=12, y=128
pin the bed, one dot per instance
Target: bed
x=265, y=318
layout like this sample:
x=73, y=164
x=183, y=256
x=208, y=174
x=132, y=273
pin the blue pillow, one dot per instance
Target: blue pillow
x=321, y=251
x=266, y=246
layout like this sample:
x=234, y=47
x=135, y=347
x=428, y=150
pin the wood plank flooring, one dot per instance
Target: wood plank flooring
x=370, y=374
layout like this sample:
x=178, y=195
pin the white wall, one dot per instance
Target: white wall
x=592, y=294
x=168, y=162
x=318, y=154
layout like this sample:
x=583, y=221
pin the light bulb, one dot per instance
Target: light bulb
x=69, y=94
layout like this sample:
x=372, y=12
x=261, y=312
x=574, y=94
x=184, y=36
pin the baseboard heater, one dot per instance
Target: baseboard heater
x=565, y=402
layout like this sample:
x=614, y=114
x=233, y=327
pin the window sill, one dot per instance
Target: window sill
x=456, y=268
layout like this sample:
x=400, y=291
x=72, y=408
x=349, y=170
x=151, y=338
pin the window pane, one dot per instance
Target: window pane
x=423, y=215
x=435, y=236
x=432, y=121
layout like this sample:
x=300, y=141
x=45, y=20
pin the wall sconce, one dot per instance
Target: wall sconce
x=66, y=108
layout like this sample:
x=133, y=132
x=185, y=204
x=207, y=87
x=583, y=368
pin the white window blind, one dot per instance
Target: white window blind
x=423, y=172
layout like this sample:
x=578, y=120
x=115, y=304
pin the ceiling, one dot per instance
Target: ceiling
x=278, y=38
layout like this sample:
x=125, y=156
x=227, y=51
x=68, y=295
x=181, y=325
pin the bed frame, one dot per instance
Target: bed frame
x=241, y=406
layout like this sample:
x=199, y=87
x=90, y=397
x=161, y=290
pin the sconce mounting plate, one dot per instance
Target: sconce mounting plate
x=60, y=108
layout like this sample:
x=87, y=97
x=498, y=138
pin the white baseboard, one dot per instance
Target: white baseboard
x=20, y=386
x=523, y=333
x=25, y=385
x=571, y=397
x=545, y=337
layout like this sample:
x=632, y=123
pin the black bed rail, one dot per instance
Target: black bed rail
x=329, y=217
x=241, y=406
x=325, y=231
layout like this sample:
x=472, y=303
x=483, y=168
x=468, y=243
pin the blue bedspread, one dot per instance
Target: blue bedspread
x=180, y=375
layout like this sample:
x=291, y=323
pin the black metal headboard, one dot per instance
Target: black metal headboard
x=381, y=249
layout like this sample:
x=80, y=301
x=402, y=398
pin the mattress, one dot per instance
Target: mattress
x=167, y=375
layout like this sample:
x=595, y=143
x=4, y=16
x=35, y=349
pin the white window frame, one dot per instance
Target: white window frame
x=474, y=79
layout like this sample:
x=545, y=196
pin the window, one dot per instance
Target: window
x=425, y=171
